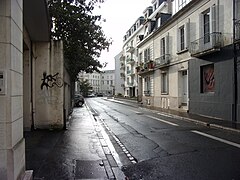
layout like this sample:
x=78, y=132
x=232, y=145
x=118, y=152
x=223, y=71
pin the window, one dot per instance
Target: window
x=163, y=47
x=183, y=37
x=181, y=4
x=207, y=78
x=206, y=26
x=164, y=89
x=140, y=57
x=147, y=55
x=182, y=44
x=147, y=86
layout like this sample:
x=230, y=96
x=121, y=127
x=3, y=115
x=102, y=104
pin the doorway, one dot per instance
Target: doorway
x=185, y=88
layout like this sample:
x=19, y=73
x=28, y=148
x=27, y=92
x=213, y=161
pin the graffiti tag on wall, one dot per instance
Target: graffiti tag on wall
x=208, y=78
x=50, y=81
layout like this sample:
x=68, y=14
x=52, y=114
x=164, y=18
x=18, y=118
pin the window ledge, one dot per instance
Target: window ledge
x=182, y=51
x=164, y=93
x=207, y=93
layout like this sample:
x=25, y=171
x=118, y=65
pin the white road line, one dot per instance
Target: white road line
x=167, y=122
x=163, y=114
x=136, y=112
x=217, y=139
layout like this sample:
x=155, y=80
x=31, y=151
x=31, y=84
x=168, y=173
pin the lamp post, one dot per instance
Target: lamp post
x=235, y=83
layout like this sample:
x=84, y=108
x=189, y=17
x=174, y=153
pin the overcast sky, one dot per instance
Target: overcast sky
x=120, y=16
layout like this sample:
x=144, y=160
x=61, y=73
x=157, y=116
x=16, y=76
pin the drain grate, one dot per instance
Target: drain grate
x=90, y=170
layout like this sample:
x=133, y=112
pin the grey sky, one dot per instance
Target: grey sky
x=120, y=16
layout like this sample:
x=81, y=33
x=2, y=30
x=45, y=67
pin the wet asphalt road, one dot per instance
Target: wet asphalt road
x=152, y=146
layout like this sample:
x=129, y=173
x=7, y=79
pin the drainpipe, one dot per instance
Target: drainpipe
x=31, y=80
x=235, y=84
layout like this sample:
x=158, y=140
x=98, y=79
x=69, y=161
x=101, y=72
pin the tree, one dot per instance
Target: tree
x=73, y=22
x=85, y=87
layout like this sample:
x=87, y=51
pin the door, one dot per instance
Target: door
x=185, y=87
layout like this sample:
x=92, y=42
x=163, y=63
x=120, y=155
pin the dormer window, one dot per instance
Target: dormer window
x=181, y=4
x=154, y=6
x=146, y=15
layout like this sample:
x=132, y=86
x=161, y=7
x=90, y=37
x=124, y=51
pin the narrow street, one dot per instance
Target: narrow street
x=151, y=145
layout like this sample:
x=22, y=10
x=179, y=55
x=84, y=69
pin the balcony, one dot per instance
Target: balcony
x=207, y=44
x=130, y=49
x=130, y=61
x=145, y=68
x=163, y=60
x=122, y=75
x=147, y=93
x=122, y=59
x=130, y=84
x=122, y=66
x=130, y=73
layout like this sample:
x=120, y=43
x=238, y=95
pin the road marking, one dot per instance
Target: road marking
x=167, y=122
x=217, y=139
x=166, y=115
x=136, y=112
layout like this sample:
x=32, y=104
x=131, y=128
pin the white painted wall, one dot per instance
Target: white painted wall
x=119, y=81
x=49, y=102
x=12, y=144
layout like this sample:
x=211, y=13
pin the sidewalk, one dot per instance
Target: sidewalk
x=80, y=152
x=206, y=121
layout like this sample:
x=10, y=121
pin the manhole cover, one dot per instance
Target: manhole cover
x=90, y=170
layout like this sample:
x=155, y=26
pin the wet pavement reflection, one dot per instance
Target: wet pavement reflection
x=76, y=153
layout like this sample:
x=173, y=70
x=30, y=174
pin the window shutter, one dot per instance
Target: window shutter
x=201, y=25
x=148, y=54
x=178, y=40
x=161, y=47
x=187, y=34
x=167, y=47
x=213, y=13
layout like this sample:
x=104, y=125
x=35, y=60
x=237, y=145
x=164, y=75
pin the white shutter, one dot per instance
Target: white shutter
x=214, y=23
x=213, y=14
x=187, y=34
x=167, y=48
x=167, y=44
x=178, y=40
x=201, y=25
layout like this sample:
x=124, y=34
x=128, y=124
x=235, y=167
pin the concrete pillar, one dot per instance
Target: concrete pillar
x=12, y=144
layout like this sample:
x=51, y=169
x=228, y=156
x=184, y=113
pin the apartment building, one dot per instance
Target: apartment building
x=94, y=80
x=188, y=56
x=129, y=60
x=100, y=82
x=119, y=74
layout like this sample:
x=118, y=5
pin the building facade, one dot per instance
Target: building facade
x=188, y=57
x=130, y=58
x=119, y=74
x=103, y=82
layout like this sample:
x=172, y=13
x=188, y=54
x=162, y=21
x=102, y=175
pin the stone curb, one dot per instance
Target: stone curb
x=112, y=170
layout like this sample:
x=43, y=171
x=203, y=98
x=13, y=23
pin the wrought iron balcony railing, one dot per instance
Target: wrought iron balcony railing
x=208, y=43
x=130, y=49
x=163, y=60
x=130, y=61
x=147, y=93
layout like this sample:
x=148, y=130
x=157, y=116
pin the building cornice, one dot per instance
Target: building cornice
x=170, y=21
